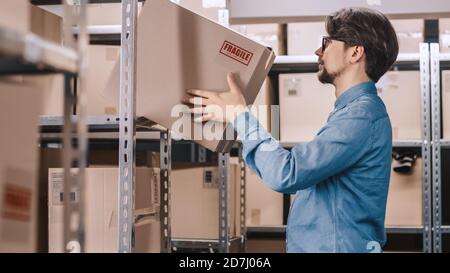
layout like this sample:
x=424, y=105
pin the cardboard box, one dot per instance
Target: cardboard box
x=191, y=52
x=201, y=7
x=196, y=190
x=305, y=38
x=444, y=35
x=101, y=60
x=101, y=209
x=48, y=26
x=305, y=104
x=405, y=116
x=15, y=15
x=264, y=206
x=263, y=33
x=302, y=96
x=409, y=34
x=404, y=204
x=45, y=24
x=445, y=83
x=19, y=107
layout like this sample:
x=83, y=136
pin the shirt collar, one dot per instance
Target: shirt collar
x=355, y=92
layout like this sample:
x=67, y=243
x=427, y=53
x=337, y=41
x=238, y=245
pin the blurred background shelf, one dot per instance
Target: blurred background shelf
x=29, y=54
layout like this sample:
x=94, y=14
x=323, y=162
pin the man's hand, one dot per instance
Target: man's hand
x=218, y=106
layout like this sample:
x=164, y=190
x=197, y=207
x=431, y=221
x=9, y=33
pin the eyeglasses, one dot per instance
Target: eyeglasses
x=326, y=40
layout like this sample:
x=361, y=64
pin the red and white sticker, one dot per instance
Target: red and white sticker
x=236, y=53
x=17, y=203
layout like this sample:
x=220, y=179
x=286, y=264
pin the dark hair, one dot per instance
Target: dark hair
x=370, y=29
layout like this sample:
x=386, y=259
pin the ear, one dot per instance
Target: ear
x=357, y=54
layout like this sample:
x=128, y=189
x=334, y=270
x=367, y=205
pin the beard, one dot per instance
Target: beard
x=325, y=77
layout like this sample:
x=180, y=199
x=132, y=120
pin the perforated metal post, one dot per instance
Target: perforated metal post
x=127, y=131
x=224, y=189
x=201, y=154
x=165, y=167
x=436, y=146
x=75, y=148
x=242, y=172
x=426, y=145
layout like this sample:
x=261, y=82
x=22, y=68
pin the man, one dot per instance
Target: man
x=341, y=177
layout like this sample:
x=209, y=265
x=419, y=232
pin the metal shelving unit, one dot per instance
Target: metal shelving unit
x=125, y=35
x=26, y=53
x=127, y=131
x=30, y=54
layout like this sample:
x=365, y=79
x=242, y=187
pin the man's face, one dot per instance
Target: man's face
x=331, y=61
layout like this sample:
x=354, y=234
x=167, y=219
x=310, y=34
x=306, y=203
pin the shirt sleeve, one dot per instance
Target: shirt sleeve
x=338, y=145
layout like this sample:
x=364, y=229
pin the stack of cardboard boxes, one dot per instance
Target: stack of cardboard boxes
x=195, y=202
x=21, y=105
x=264, y=206
x=306, y=38
x=101, y=214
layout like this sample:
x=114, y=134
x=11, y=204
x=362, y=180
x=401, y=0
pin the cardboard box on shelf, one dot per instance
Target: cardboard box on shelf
x=45, y=24
x=101, y=209
x=305, y=38
x=444, y=35
x=263, y=33
x=409, y=34
x=405, y=116
x=302, y=96
x=445, y=80
x=48, y=26
x=191, y=52
x=404, y=204
x=305, y=104
x=18, y=167
x=201, y=7
x=101, y=60
x=264, y=206
x=196, y=190
x=15, y=15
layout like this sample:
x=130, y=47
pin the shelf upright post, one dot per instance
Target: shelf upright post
x=127, y=127
x=165, y=168
x=224, y=189
x=74, y=148
x=242, y=208
x=426, y=145
x=436, y=146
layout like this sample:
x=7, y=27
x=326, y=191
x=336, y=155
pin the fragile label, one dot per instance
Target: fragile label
x=236, y=53
x=17, y=203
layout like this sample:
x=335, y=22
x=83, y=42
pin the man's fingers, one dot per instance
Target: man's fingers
x=204, y=118
x=232, y=82
x=198, y=101
x=196, y=110
x=201, y=93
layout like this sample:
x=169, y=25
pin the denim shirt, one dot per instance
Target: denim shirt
x=340, y=178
